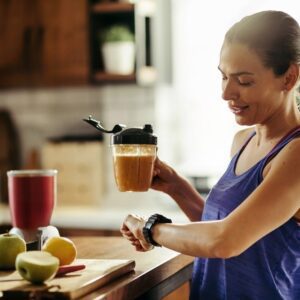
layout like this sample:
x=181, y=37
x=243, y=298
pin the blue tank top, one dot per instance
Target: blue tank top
x=270, y=268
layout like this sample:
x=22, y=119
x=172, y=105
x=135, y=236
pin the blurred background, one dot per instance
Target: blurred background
x=63, y=60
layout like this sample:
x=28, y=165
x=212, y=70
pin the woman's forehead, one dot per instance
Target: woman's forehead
x=237, y=57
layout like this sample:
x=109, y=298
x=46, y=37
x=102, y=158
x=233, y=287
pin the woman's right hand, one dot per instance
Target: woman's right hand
x=165, y=178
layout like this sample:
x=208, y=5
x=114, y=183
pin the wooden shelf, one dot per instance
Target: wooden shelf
x=100, y=77
x=113, y=7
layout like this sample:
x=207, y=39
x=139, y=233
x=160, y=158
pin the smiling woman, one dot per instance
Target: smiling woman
x=197, y=43
x=245, y=236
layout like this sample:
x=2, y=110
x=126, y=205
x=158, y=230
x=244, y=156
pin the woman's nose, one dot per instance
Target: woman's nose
x=230, y=92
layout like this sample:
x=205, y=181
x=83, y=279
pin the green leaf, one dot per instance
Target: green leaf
x=116, y=33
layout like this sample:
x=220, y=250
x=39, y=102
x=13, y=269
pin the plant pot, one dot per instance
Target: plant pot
x=119, y=57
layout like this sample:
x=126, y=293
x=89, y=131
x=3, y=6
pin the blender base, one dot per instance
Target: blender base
x=35, y=238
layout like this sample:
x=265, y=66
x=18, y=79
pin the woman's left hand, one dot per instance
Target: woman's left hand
x=132, y=230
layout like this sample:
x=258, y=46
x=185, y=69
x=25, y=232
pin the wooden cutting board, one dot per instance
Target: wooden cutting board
x=97, y=273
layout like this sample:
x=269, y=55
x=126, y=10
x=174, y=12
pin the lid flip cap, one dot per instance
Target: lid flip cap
x=135, y=136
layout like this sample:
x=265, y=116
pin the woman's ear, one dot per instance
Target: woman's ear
x=291, y=77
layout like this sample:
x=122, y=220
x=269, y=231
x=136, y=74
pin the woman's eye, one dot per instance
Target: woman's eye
x=244, y=81
x=248, y=83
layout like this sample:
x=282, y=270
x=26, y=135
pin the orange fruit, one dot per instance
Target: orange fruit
x=61, y=247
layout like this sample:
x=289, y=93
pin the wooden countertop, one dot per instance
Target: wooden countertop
x=157, y=272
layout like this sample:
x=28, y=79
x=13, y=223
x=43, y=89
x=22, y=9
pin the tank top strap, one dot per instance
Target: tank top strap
x=251, y=135
x=294, y=133
x=236, y=156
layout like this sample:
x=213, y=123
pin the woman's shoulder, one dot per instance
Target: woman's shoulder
x=239, y=139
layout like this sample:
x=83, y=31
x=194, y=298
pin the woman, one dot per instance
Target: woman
x=247, y=243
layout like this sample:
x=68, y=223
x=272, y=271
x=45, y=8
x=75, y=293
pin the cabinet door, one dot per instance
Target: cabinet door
x=63, y=41
x=43, y=42
x=17, y=20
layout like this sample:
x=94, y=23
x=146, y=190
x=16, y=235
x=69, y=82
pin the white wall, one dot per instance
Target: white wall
x=206, y=126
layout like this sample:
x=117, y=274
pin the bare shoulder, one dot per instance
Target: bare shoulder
x=239, y=139
x=284, y=170
x=289, y=154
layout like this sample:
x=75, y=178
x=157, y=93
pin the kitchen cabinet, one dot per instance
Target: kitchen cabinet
x=55, y=43
x=43, y=43
x=10, y=156
x=52, y=43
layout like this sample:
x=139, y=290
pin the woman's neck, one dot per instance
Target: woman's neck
x=284, y=120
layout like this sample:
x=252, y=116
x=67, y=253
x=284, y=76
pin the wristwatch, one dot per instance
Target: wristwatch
x=147, y=229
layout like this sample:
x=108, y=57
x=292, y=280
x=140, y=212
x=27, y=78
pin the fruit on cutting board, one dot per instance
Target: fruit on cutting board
x=10, y=246
x=37, y=266
x=61, y=247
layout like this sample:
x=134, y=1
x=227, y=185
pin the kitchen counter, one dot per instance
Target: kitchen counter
x=156, y=274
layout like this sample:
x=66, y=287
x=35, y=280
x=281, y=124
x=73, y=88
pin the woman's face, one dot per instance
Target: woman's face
x=253, y=93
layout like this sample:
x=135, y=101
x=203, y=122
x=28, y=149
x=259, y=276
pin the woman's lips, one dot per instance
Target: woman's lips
x=238, y=109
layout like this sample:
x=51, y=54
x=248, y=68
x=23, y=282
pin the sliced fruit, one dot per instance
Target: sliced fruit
x=37, y=266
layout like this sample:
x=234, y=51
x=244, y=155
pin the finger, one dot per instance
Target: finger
x=123, y=227
x=135, y=224
x=132, y=239
x=136, y=243
x=129, y=237
x=156, y=172
x=127, y=234
x=146, y=245
x=140, y=248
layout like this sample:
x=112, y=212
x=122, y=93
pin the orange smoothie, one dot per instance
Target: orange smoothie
x=133, y=172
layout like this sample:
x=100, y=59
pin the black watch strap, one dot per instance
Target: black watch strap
x=147, y=230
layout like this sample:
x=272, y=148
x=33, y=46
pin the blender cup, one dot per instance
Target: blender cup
x=134, y=153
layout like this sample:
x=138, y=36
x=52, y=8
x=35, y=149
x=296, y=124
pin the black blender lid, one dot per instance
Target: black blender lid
x=135, y=136
x=123, y=135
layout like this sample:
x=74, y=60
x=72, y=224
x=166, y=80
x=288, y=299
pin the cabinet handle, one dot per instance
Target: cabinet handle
x=32, y=51
x=39, y=45
x=27, y=49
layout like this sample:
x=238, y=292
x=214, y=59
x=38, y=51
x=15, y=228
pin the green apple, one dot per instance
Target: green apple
x=37, y=266
x=10, y=246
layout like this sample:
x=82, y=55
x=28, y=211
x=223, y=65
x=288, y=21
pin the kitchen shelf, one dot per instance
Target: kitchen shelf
x=104, y=8
x=103, y=16
x=101, y=77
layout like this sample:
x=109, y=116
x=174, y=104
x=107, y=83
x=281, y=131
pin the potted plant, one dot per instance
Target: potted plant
x=118, y=50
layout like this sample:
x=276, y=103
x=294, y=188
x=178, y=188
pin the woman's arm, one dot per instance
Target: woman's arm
x=185, y=195
x=272, y=204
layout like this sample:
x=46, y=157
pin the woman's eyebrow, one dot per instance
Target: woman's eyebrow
x=237, y=73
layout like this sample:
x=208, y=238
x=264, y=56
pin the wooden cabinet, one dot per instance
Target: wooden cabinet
x=43, y=43
x=56, y=42
x=10, y=156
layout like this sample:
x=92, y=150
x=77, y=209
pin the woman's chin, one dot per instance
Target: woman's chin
x=243, y=121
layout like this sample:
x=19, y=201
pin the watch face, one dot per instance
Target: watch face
x=148, y=225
